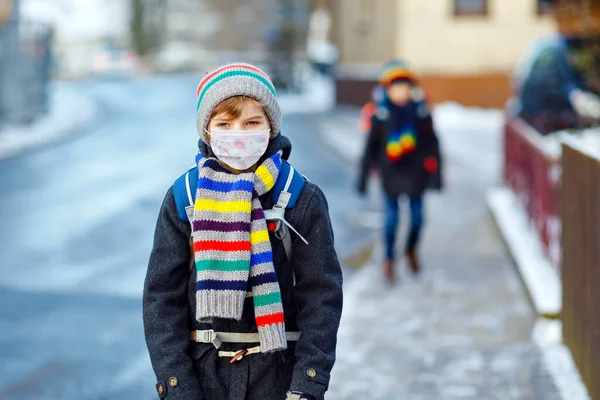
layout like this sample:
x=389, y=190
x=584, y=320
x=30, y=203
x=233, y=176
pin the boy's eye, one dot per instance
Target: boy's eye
x=253, y=123
x=222, y=124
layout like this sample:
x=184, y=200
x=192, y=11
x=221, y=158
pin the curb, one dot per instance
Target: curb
x=358, y=259
x=61, y=123
x=543, y=284
x=556, y=363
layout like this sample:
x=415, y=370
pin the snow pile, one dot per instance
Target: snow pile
x=453, y=115
x=558, y=362
x=318, y=95
x=60, y=121
x=471, y=136
x=542, y=280
x=589, y=138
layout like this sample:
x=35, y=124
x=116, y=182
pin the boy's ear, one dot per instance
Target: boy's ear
x=205, y=135
x=271, y=133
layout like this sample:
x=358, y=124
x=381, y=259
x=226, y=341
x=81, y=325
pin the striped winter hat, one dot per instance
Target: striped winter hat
x=395, y=70
x=237, y=79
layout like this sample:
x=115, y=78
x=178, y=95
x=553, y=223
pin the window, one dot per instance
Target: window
x=544, y=7
x=470, y=7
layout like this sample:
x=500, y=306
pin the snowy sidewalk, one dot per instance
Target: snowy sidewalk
x=449, y=336
x=318, y=95
x=463, y=330
x=70, y=110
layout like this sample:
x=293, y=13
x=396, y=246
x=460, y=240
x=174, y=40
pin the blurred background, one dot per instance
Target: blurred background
x=97, y=120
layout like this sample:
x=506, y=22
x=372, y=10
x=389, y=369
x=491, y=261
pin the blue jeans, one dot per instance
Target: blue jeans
x=392, y=219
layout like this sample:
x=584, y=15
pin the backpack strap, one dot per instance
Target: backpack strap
x=184, y=192
x=285, y=194
x=289, y=181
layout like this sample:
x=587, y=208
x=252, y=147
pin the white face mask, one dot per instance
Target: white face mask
x=239, y=149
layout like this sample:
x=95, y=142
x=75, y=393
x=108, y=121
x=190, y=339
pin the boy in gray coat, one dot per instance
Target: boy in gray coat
x=248, y=320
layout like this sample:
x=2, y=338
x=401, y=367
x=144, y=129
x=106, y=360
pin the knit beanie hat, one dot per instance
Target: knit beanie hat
x=237, y=79
x=395, y=70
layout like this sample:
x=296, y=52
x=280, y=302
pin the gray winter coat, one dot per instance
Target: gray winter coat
x=313, y=306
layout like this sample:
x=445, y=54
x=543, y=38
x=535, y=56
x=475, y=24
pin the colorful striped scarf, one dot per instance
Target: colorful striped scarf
x=232, y=249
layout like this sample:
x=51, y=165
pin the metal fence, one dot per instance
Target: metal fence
x=25, y=69
x=580, y=197
x=532, y=171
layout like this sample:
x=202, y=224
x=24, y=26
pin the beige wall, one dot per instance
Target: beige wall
x=365, y=30
x=434, y=41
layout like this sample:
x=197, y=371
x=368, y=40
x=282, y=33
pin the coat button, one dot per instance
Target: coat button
x=173, y=382
x=161, y=389
x=311, y=373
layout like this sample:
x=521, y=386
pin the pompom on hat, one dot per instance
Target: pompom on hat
x=395, y=70
x=236, y=79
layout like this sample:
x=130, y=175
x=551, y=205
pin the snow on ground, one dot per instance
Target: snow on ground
x=541, y=279
x=587, y=140
x=60, y=122
x=450, y=114
x=318, y=96
x=539, y=276
x=558, y=362
x=64, y=98
x=471, y=135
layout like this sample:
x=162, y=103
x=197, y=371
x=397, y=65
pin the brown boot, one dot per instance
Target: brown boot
x=413, y=261
x=389, y=271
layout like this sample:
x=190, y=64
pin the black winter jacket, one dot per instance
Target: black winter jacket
x=313, y=306
x=408, y=176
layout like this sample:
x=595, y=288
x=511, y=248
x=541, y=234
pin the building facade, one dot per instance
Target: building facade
x=462, y=50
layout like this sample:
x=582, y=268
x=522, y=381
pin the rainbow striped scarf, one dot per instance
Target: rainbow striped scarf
x=232, y=249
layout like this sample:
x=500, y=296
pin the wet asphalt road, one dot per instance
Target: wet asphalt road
x=77, y=222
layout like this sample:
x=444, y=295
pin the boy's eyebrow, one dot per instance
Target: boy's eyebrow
x=255, y=116
x=228, y=117
x=222, y=117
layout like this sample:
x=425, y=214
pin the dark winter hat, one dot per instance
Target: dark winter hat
x=231, y=80
x=394, y=71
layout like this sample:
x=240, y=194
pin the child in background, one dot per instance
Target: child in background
x=403, y=148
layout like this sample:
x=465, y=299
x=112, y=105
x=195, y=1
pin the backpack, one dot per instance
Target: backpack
x=285, y=193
